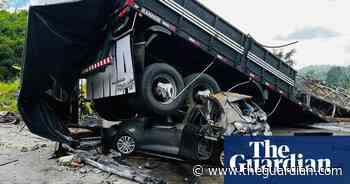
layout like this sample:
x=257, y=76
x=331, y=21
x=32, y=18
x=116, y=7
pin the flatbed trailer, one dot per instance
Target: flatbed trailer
x=202, y=36
x=192, y=21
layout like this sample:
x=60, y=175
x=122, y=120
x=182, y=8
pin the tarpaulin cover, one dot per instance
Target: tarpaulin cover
x=62, y=39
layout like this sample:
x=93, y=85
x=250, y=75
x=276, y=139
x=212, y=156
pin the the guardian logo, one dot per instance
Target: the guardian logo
x=267, y=155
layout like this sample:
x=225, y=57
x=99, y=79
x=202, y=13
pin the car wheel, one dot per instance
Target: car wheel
x=160, y=87
x=218, y=156
x=222, y=158
x=125, y=144
x=205, y=84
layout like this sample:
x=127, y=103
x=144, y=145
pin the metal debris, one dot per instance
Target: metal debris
x=65, y=160
x=9, y=118
x=110, y=166
x=235, y=114
x=24, y=149
x=151, y=164
x=336, y=96
x=8, y=162
x=329, y=102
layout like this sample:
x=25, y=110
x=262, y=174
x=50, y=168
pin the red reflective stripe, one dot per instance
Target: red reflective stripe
x=270, y=86
x=129, y=2
x=124, y=10
x=122, y=13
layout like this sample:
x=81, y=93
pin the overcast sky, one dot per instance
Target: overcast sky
x=320, y=26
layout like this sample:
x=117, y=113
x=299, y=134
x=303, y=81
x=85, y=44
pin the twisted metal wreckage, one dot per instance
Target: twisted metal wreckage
x=218, y=115
x=119, y=48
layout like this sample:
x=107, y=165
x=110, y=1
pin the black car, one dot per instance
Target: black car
x=199, y=137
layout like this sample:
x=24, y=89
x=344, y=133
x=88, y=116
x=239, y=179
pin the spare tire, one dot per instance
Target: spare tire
x=159, y=89
x=204, y=83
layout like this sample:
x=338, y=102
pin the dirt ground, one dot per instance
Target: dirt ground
x=30, y=164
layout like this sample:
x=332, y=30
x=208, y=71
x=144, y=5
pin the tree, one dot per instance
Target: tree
x=336, y=76
x=12, y=36
x=310, y=73
x=287, y=57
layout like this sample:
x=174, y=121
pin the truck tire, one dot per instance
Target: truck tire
x=159, y=85
x=203, y=83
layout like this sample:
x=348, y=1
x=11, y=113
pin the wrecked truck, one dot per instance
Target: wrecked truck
x=142, y=58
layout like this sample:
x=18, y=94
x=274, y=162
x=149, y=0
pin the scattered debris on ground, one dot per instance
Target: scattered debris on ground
x=109, y=165
x=9, y=118
x=7, y=161
x=25, y=159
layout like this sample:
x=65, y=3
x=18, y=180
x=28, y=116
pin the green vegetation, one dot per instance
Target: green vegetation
x=333, y=75
x=8, y=95
x=12, y=37
x=316, y=71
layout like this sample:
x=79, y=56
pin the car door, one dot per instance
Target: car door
x=162, y=139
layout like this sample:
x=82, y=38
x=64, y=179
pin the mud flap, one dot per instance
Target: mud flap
x=62, y=39
x=117, y=79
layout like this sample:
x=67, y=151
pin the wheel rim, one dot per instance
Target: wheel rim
x=222, y=158
x=164, y=89
x=126, y=144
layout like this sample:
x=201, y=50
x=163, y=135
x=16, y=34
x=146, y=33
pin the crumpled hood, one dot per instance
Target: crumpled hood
x=231, y=118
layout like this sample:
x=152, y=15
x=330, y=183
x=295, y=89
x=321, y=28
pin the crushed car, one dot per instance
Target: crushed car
x=199, y=137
